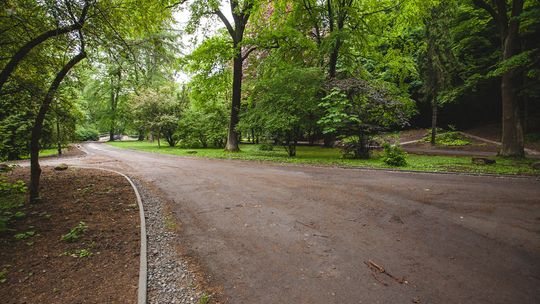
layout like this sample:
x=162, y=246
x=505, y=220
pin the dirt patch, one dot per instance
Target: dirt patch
x=99, y=266
x=409, y=135
x=493, y=132
x=71, y=151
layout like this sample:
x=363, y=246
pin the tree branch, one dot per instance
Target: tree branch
x=517, y=7
x=245, y=56
x=174, y=5
x=484, y=5
x=226, y=22
x=26, y=48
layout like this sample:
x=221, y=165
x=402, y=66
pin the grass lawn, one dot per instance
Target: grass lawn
x=331, y=156
x=44, y=152
x=49, y=152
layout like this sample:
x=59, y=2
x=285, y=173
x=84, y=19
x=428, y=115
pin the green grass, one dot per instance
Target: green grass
x=331, y=156
x=45, y=152
x=49, y=152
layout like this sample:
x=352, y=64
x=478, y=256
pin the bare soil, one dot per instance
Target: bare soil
x=410, y=135
x=71, y=151
x=44, y=269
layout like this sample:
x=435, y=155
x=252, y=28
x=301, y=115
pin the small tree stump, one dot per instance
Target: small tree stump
x=61, y=167
x=482, y=161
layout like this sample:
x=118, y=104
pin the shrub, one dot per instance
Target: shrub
x=353, y=147
x=394, y=155
x=451, y=139
x=84, y=134
x=266, y=147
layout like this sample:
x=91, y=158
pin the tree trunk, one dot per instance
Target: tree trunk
x=362, y=150
x=512, y=129
x=58, y=138
x=115, y=91
x=232, y=138
x=35, y=169
x=292, y=150
x=433, y=122
x=329, y=140
x=25, y=49
x=332, y=64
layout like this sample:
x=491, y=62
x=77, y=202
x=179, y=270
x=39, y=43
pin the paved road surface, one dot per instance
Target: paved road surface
x=269, y=233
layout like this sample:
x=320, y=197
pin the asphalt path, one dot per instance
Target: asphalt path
x=271, y=233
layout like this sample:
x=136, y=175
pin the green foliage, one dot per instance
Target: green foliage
x=355, y=108
x=86, y=134
x=6, y=188
x=204, y=127
x=205, y=121
x=11, y=197
x=205, y=298
x=284, y=103
x=75, y=233
x=78, y=253
x=158, y=110
x=24, y=235
x=3, y=275
x=438, y=63
x=393, y=155
x=450, y=138
x=266, y=147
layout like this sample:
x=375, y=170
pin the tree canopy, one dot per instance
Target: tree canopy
x=282, y=72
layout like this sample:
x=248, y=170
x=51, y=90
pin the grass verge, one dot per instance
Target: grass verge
x=315, y=155
x=44, y=152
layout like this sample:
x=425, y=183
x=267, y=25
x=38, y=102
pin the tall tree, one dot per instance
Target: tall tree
x=241, y=10
x=438, y=62
x=35, y=169
x=507, y=17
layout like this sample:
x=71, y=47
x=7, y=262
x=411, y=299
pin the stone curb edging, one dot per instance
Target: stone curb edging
x=143, y=264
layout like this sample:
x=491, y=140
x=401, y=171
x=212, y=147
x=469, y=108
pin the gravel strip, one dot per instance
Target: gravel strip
x=169, y=280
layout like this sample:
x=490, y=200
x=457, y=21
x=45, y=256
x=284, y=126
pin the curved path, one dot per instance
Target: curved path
x=269, y=233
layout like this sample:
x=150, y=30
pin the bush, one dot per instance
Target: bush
x=451, y=139
x=84, y=134
x=266, y=147
x=353, y=147
x=203, y=128
x=394, y=155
